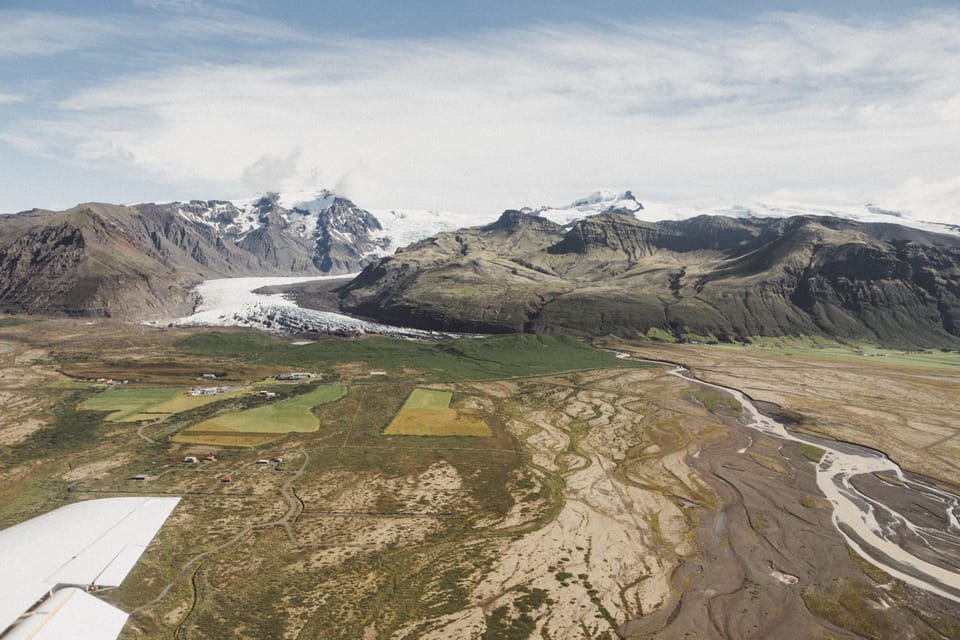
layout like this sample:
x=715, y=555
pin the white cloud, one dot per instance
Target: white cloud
x=271, y=172
x=44, y=34
x=673, y=110
x=27, y=33
x=929, y=200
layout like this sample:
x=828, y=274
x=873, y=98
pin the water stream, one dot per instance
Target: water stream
x=889, y=536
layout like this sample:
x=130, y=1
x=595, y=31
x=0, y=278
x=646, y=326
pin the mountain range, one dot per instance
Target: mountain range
x=597, y=266
x=704, y=278
x=141, y=261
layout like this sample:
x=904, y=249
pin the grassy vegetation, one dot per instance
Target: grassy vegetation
x=659, y=335
x=437, y=422
x=42, y=457
x=182, y=402
x=126, y=402
x=426, y=413
x=719, y=402
x=130, y=404
x=12, y=322
x=70, y=431
x=850, y=604
x=810, y=452
x=818, y=347
x=449, y=360
x=428, y=399
x=698, y=338
x=226, y=439
x=286, y=416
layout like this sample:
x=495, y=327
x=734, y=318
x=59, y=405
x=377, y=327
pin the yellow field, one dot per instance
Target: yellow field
x=132, y=404
x=184, y=402
x=437, y=422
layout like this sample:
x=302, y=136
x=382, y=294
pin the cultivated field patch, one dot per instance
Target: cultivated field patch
x=132, y=404
x=126, y=403
x=428, y=399
x=269, y=421
x=427, y=412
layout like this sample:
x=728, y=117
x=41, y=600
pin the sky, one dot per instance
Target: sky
x=480, y=106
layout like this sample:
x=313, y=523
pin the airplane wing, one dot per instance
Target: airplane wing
x=49, y=564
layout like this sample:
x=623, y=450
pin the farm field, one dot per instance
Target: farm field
x=427, y=412
x=126, y=403
x=437, y=422
x=601, y=499
x=255, y=426
x=132, y=404
x=428, y=399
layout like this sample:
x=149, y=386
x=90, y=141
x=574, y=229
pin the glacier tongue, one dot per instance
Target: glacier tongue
x=232, y=302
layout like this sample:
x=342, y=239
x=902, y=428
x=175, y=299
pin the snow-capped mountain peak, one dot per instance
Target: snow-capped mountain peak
x=319, y=231
x=315, y=230
x=602, y=201
x=606, y=200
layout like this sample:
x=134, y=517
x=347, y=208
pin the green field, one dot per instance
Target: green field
x=132, y=404
x=447, y=360
x=428, y=399
x=127, y=402
x=426, y=413
x=285, y=416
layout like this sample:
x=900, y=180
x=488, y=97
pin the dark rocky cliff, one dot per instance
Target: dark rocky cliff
x=703, y=278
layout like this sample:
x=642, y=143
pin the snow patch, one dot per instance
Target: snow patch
x=403, y=227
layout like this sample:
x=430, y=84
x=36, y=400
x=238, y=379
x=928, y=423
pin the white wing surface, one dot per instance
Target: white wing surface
x=54, y=558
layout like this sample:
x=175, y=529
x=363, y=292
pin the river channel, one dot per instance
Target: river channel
x=899, y=522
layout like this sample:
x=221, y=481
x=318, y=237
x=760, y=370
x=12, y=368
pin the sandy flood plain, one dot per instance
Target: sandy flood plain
x=680, y=524
x=643, y=515
x=775, y=524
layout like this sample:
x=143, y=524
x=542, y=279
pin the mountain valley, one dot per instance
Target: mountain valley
x=605, y=270
x=550, y=481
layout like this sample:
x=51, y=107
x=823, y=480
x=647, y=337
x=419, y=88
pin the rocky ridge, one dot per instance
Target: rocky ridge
x=705, y=278
x=141, y=261
x=597, y=266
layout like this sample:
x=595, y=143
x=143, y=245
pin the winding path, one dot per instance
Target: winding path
x=293, y=507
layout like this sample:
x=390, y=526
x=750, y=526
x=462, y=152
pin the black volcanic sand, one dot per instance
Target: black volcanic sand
x=921, y=510
x=770, y=540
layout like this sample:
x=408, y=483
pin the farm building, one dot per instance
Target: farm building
x=297, y=375
x=207, y=391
